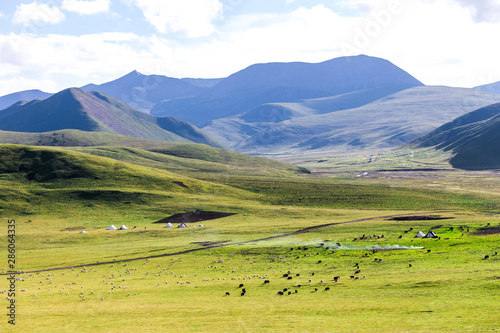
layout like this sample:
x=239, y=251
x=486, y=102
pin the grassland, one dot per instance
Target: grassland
x=449, y=287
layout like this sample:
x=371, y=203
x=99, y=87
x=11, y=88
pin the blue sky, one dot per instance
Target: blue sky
x=54, y=44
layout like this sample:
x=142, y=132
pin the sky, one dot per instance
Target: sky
x=55, y=44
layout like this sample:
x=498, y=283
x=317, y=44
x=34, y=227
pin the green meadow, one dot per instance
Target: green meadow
x=291, y=234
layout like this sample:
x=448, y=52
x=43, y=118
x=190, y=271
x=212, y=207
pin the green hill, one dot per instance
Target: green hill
x=38, y=180
x=186, y=158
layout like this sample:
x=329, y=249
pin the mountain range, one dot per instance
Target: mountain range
x=266, y=109
x=286, y=82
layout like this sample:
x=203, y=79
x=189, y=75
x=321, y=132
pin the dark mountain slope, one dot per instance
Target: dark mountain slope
x=473, y=138
x=76, y=109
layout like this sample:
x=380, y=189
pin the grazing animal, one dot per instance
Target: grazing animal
x=352, y=276
x=289, y=278
x=285, y=275
x=243, y=290
x=358, y=271
x=297, y=274
x=228, y=294
x=289, y=293
x=410, y=265
x=241, y=285
x=486, y=257
x=327, y=288
x=296, y=291
x=286, y=289
x=266, y=282
x=336, y=278
x=280, y=293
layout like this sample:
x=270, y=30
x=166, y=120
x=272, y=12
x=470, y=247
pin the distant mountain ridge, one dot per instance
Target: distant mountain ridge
x=286, y=82
x=144, y=91
x=493, y=88
x=26, y=95
x=75, y=108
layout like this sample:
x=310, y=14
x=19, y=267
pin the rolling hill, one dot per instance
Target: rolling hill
x=27, y=95
x=182, y=158
x=76, y=109
x=320, y=124
x=287, y=82
x=472, y=138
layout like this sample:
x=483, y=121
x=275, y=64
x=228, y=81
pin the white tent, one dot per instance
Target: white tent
x=182, y=225
x=431, y=234
x=201, y=225
x=420, y=235
x=123, y=228
x=112, y=227
x=169, y=225
x=83, y=232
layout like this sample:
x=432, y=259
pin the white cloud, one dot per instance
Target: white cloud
x=483, y=10
x=37, y=13
x=437, y=41
x=192, y=18
x=86, y=7
x=67, y=60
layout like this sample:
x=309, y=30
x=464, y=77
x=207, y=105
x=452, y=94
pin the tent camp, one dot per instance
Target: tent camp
x=431, y=234
x=112, y=227
x=420, y=235
x=182, y=225
x=169, y=225
x=123, y=228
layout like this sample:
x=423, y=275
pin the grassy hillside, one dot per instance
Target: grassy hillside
x=186, y=158
x=320, y=229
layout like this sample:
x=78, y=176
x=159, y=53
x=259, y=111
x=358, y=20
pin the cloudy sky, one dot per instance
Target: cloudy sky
x=54, y=44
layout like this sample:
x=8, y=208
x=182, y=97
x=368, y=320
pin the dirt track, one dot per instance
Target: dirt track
x=301, y=231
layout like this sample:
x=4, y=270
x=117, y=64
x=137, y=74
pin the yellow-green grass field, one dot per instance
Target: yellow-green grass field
x=156, y=279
